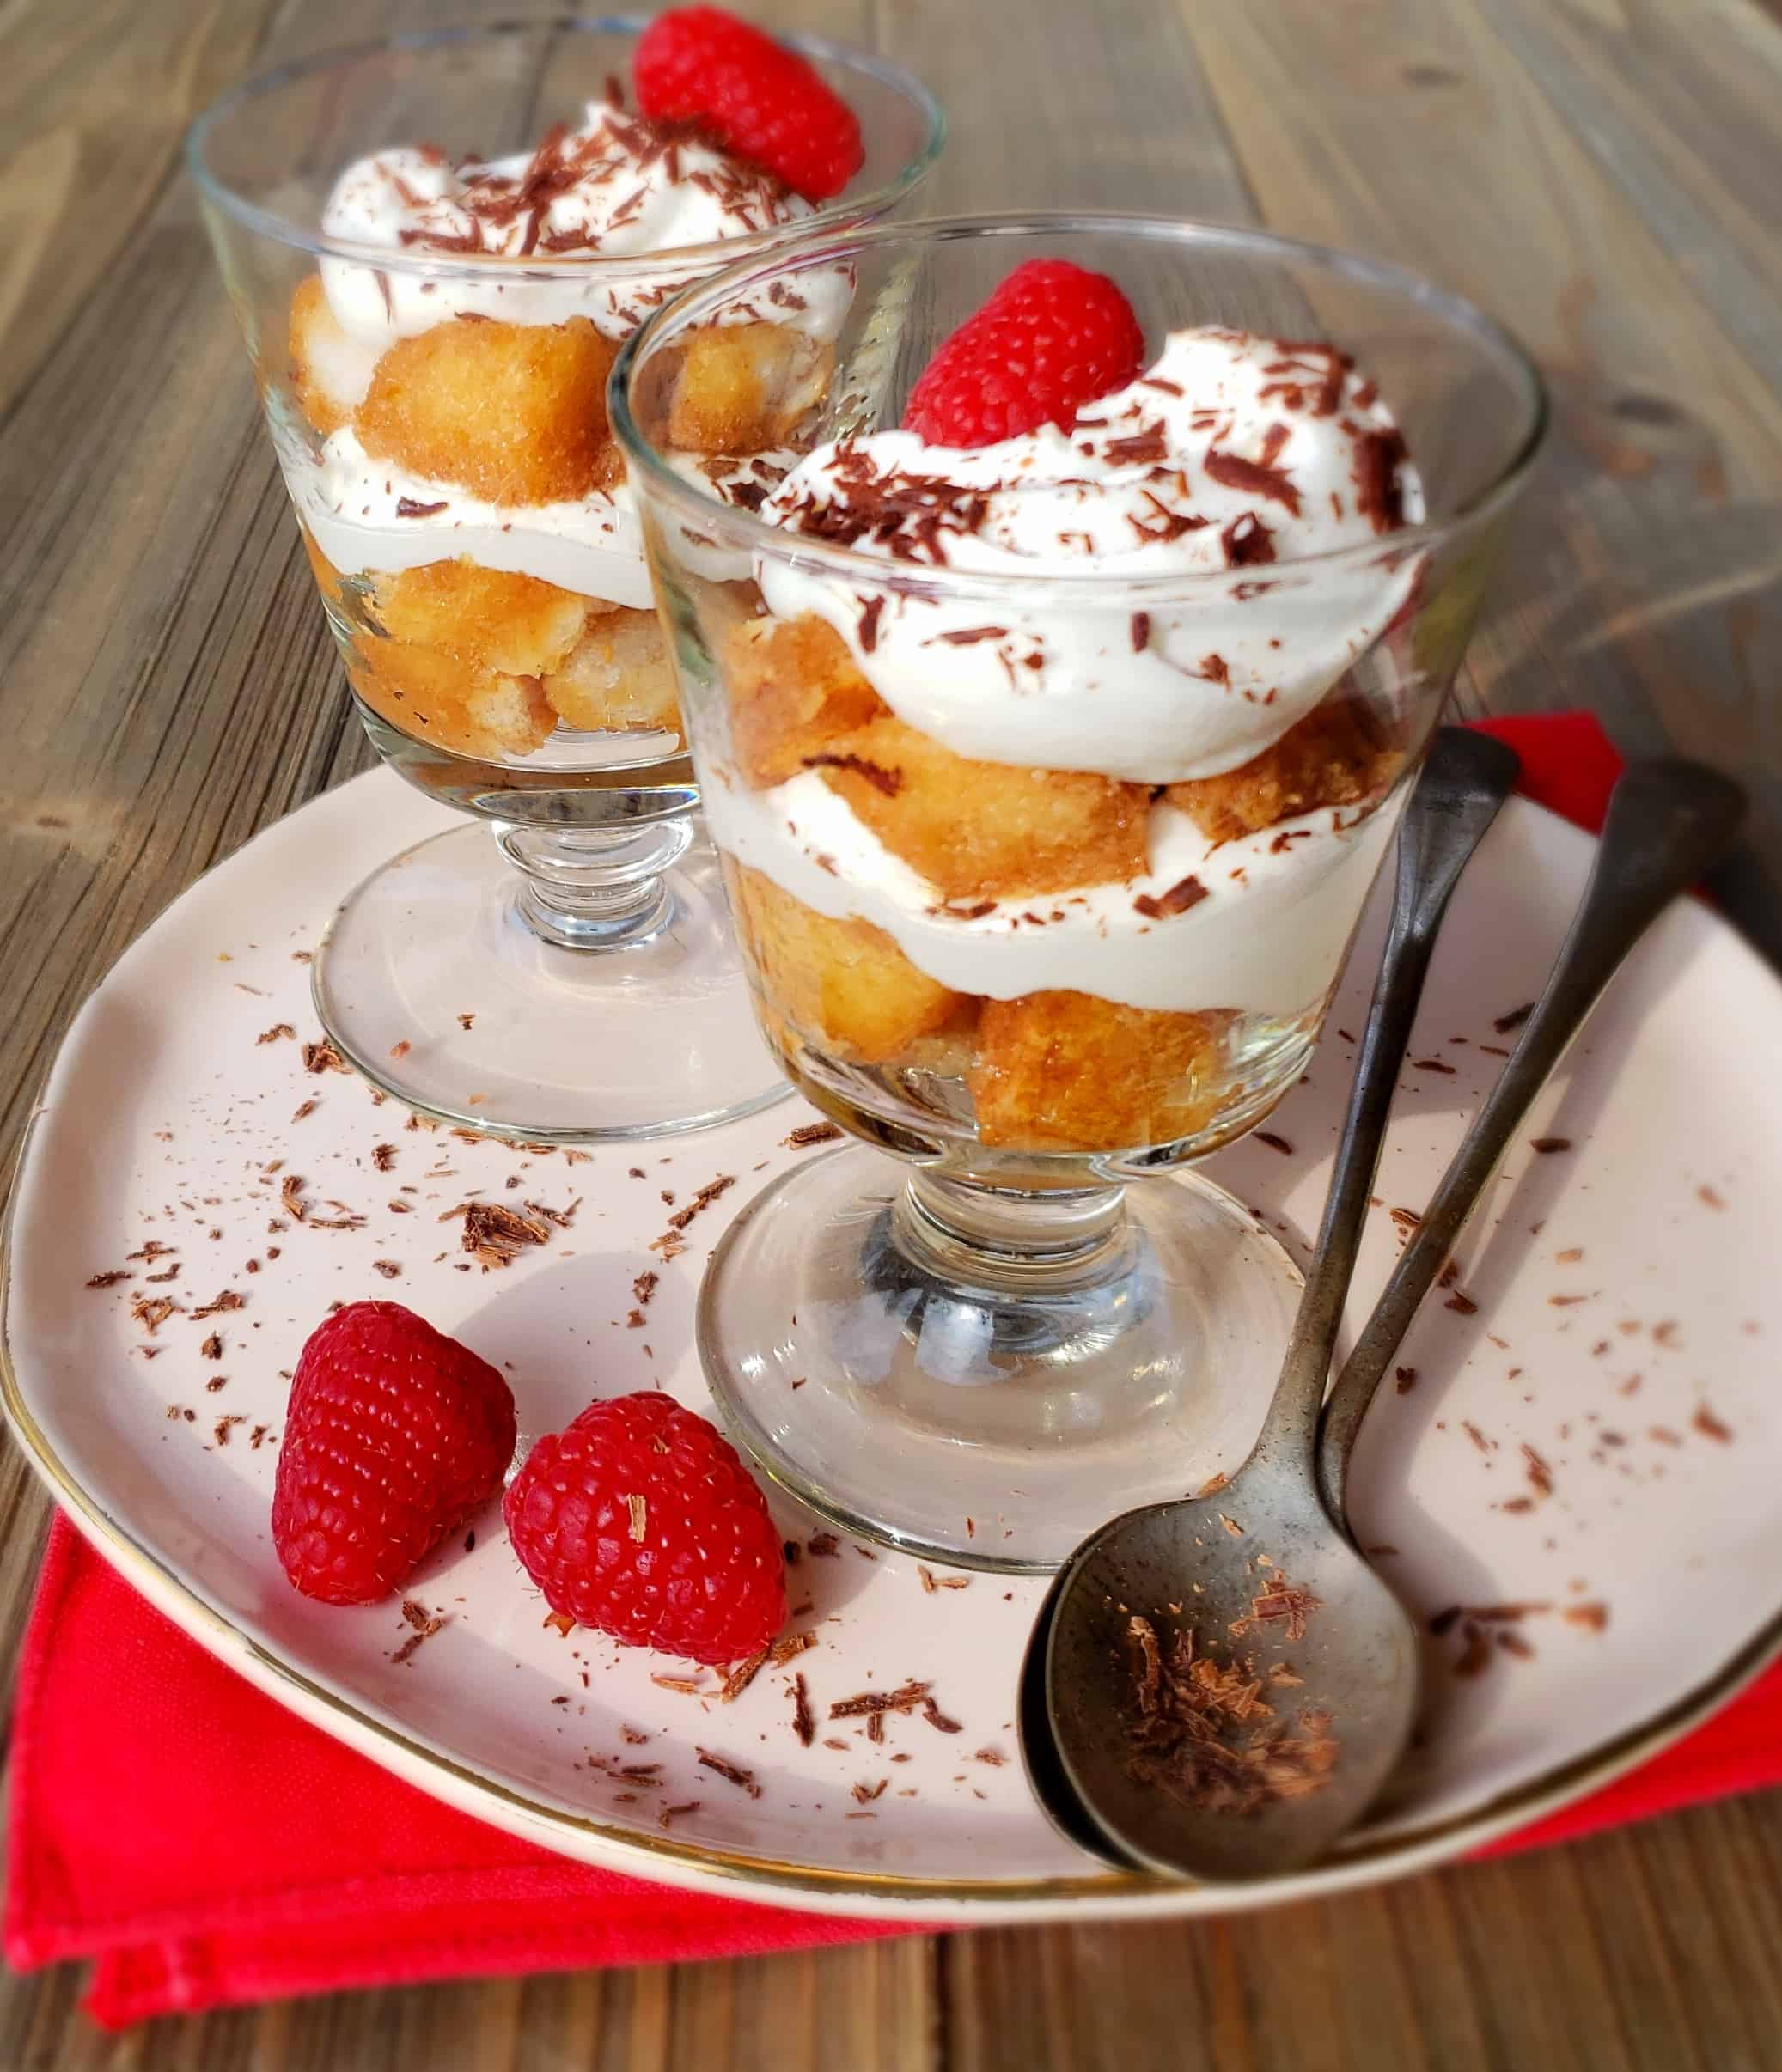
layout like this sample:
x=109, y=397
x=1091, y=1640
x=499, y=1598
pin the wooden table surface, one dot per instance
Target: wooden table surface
x=1605, y=176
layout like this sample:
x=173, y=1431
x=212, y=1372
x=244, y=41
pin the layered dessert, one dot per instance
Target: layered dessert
x=462, y=501
x=1059, y=830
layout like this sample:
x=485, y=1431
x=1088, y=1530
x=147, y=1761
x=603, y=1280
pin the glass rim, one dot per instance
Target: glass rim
x=644, y=461
x=828, y=216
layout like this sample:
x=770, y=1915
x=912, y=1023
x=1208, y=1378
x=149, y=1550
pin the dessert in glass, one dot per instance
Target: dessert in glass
x=1051, y=746
x=434, y=245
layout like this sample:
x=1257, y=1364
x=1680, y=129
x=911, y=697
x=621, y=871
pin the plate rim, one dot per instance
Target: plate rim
x=805, y=1887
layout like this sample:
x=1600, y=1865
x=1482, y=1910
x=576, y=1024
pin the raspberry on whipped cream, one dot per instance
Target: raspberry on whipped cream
x=450, y=424
x=1232, y=455
x=619, y=188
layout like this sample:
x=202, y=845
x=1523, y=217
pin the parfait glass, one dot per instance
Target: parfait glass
x=1045, y=865
x=560, y=966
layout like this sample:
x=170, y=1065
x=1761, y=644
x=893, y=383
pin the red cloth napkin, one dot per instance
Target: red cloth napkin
x=203, y=1846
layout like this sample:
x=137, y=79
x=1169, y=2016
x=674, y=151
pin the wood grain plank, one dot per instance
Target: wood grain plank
x=94, y=100
x=1684, y=131
x=1425, y=140
x=865, y=2008
x=1604, y=1957
x=1068, y=107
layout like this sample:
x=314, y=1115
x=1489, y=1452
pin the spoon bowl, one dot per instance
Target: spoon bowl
x=1354, y=1666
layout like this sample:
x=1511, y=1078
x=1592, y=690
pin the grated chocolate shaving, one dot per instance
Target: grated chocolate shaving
x=1592, y=1617
x=889, y=783
x=1204, y=1734
x=732, y=1773
x=804, y=1721
x=1279, y=1602
x=494, y=1234
x=671, y=1242
x=1184, y=893
x=810, y=1133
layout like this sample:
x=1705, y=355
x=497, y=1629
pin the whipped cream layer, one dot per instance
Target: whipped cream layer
x=1266, y=931
x=1230, y=460
x=367, y=515
x=620, y=189
x=614, y=195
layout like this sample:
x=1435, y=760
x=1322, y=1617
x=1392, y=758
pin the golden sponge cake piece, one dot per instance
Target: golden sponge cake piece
x=454, y=704
x=514, y=623
x=986, y=831
x=327, y=367
x=1065, y=1071
x=618, y=676
x=514, y=413
x=1337, y=755
x=794, y=690
x=843, y=985
x=742, y=388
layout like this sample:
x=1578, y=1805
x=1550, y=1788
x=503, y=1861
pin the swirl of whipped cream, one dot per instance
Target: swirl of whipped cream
x=367, y=514
x=1231, y=459
x=618, y=188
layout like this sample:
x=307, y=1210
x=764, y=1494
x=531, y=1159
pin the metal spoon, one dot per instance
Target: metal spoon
x=1357, y=1654
x=1666, y=822
x=1077, y=1706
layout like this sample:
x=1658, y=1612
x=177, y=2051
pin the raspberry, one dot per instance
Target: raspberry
x=751, y=94
x=393, y=1435
x=1053, y=337
x=639, y=1518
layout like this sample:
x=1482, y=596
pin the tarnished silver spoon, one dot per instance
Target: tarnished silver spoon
x=1338, y=1655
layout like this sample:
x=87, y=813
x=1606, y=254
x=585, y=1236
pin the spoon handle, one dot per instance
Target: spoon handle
x=1464, y=782
x=1667, y=821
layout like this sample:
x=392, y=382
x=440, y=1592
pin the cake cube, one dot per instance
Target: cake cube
x=1337, y=755
x=742, y=388
x=986, y=831
x=328, y=369
x=513, y=624
x=619, y=675
x=843, y=984
x=1066, y=1071
x=514, y=413
x=454, y=704
x=794, y=689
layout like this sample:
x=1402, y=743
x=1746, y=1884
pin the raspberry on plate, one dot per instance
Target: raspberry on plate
x=638, y=1519
x=394, y=1435
x=1053, y=337
x=753, y=95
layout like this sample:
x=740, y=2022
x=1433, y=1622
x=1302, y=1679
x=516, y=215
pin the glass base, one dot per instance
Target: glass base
x=431, y=983
x=991, y=1402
